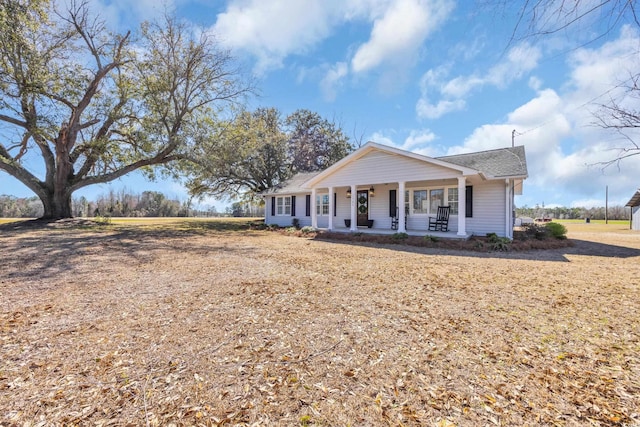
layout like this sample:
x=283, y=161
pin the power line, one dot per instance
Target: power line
x=515, y=133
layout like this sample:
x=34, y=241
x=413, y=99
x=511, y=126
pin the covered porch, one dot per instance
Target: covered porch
x=389, y=208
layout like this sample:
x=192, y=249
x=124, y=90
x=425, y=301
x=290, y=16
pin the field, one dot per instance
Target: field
x=211, y=323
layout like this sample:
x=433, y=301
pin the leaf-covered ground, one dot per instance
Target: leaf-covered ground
x=210, y=325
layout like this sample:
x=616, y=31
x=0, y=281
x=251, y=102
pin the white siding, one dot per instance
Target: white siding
x=635, y=218
x=488, y=209
x=379, y=168
x=287, y=220
x=343, y=208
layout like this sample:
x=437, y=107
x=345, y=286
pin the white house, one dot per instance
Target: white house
x=379, y=188
x=634, y=204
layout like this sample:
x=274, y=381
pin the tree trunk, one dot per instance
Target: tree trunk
x=57, y=200
x=57, y=204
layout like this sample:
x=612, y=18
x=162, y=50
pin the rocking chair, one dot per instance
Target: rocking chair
x=441, y=221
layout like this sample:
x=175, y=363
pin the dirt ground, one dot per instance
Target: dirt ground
x=200, y=324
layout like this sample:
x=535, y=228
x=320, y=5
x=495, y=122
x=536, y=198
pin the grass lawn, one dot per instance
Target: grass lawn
x=213, y=323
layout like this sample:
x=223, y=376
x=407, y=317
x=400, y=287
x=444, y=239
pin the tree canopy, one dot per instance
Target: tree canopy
x=257, y=150
x=92, y=105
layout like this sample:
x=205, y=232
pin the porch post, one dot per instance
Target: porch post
x=401, y=212
x=314, y=214
x=508, y=231
x=331, y=207
x=462, y=206
x=354, y=214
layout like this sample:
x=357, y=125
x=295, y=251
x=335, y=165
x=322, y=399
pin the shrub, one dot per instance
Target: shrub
x=104, y=220
x=258, y=225
x=432, y=239
x=399, y=236
x=308, y=229
x=296, y=222
x=557, y=230
x=501, y=244
x=291, y=230
x=535, y=231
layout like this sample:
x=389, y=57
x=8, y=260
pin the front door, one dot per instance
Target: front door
x=363, y=207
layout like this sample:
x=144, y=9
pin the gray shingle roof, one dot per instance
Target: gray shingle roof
x=293, y=185
x=500, y=163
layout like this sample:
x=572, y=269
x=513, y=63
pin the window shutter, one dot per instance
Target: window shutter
x=293, y=205
x=393, y=203
x=273, y=206
x=335, y=203
x=468, y=197
x=308, y=205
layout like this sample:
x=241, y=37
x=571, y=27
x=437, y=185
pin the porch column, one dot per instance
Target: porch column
x=401, y=212
x=462, y=206
x=508, y=231
x=354, y=214
x=331, y=208
x=314, y=214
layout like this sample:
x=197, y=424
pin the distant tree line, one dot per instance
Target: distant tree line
x=613, y=212
x=20, y=207
x=114, y=204
x=155, y=204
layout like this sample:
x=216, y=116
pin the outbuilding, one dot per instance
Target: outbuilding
x=634, y=204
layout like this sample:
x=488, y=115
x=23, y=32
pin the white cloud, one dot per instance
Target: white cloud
x=521, y=59
x=564, y=150
x=271, y=30
x=381, y=138
x=400, y=32
x=417, y=139
x=434, y=111
x=450, y=94
x=333, y=79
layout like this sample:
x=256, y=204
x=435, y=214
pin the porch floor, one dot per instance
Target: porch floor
x=387, y=231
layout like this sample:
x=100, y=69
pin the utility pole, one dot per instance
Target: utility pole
x=606, y=205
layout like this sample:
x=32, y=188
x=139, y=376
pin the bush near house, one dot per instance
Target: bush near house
x=488, y=243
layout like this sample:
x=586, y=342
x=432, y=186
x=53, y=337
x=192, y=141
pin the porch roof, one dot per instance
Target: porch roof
x=293, y=185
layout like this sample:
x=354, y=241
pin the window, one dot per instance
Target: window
x=436, y=198
x=406, y=202
x=420, y=205
x=426, y=201
x=452, y=200
x=322, y=204
x=283, y=206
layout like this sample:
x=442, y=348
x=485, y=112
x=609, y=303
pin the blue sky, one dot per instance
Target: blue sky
x=436, y=77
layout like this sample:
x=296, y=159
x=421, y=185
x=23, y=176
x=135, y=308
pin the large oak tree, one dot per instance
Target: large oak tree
x=258, y=150
x=92, y=106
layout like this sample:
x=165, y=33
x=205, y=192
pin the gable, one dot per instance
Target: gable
x=380, y=167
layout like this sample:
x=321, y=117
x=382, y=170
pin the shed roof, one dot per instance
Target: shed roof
x=635, y=200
